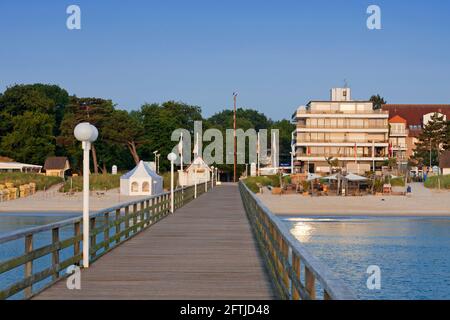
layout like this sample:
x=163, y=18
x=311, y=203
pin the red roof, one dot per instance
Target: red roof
x=397, y=119
x=413, y=114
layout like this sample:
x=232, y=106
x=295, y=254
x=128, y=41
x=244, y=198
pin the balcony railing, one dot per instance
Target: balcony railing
x=338, y=141
x=342, y=112
x=309, y=126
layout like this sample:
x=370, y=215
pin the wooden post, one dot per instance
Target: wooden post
x=55, y=254
x=142, y=215
x=117, y=225
x=93, y=237
x=76, y=245
x=106, y=232
x=296, y=267
x=127, y=221
x=310, y=283
x=29, y=264
x=135, y=218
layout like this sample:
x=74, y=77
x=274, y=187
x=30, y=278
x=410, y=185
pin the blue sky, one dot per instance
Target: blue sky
x=276, y=54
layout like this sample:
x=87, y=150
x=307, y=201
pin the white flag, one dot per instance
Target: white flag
x=195, y=151
x=180, y=144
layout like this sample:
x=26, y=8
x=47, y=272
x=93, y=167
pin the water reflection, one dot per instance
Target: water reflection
x=413, y=253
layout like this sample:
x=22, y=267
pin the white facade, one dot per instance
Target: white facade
x=141, y=181
x=198, y=172
x=343, y=129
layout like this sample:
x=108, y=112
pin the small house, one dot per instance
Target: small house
x=140, y=181
x=198, y=171
x=56, y=166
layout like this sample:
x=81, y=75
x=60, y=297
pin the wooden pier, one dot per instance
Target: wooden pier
x=205, y=250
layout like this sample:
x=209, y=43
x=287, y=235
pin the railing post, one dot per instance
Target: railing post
x=106, y=232
x=147, y=212
x=135, y=218
x=76, y=245
x=296, y=267
x=117, y=225
x=127, y=221
x=29, y=264
x=93, y=239
x=55, y=254
x=310, y=283
x=142, y=222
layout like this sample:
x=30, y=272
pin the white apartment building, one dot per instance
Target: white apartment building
x=344, y=129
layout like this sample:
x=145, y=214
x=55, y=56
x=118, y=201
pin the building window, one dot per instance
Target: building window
x=135, y=187
x=145, y=187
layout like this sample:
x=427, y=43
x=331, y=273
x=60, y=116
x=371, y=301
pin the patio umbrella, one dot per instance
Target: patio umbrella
x=355, y=177
x=313, y=176
x=332, y=177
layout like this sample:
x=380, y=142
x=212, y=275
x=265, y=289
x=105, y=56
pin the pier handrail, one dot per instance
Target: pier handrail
x=115, y=225
x=285, y=256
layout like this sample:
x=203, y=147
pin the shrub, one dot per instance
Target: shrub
x=251, y=182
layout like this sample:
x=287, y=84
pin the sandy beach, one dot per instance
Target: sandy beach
x=54, y=201
x=423, y=202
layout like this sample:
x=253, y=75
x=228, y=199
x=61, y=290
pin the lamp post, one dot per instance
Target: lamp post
x=212, y=177
x=171, y=157
x=195, y=183
x=86, y=133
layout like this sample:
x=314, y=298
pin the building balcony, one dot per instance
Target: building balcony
x=343, y=142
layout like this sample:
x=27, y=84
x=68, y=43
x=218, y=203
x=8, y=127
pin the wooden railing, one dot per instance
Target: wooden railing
x=61, y=242
x=295, y=273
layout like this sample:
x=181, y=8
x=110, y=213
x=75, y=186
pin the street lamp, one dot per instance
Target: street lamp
x=212, y=177
x=86, y=133
x=171, y=157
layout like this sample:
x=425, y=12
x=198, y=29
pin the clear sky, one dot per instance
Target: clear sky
x=276, y=54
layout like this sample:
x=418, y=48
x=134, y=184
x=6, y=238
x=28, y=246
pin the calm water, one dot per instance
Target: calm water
x=412, y=253
x=12, y=222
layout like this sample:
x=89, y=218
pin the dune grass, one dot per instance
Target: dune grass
x=433, y=182
x=18, y=178
x=97, y=182
x=273, y=180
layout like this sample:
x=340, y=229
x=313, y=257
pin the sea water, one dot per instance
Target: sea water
x=413, y=253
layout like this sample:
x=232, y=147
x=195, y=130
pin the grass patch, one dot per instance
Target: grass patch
x=433, y=182
x=97, y=182
x=398, y=182
x=274, y=181
x=166, y=179
x=19, y=178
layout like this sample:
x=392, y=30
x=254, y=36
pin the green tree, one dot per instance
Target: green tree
x=126, y=131
x=378, y=101
x=286, y=128
x=94, y=110
x=31, y=140
x=431, y=141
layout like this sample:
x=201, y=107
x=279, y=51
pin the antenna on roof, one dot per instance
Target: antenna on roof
x=345, y=83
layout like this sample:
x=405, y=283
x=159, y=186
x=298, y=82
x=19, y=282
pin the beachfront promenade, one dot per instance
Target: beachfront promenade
x=205, y=250
x=224, y=244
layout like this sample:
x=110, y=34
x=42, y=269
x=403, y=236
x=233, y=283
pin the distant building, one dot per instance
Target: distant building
x=11, y=166
x=198, y=171
x=341, y=128
x=444, y=162
x=398, y=136
x=56, y=166
x=416, y=117
x=140, y=181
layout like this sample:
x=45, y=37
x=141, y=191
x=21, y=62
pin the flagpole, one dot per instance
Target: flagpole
x=258, y=157
x=181, y=153
x=234, y=140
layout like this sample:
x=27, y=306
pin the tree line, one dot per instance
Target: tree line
x=37, y=121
